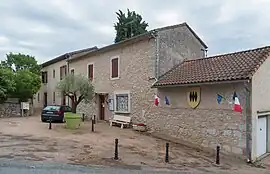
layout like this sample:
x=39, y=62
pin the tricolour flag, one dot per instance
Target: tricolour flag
x=167, y=101
x=237, y=106
x=156, y=100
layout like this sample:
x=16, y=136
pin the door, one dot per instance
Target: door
x=63, y=99
x=101, y=107
x=45, y=99
x=261, y=136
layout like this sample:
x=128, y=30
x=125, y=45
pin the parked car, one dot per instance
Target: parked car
x=55, y=112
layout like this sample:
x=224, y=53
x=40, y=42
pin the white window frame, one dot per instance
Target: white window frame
x=115, y=101
x=91, y=63
x=71, y=70
x=115, y=78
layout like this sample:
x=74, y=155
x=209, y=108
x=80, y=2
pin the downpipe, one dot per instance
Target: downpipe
x=247, y=93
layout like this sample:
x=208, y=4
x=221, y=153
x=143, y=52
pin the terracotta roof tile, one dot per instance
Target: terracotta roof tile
x=226, y=67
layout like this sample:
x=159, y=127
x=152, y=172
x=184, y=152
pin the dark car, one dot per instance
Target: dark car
x=55, y=112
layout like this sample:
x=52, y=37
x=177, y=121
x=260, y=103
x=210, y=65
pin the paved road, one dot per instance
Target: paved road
x=26, y=167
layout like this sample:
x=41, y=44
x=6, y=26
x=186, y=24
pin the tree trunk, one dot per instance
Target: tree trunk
x=74, y=108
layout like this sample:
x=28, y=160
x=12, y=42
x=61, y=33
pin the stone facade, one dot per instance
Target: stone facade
x=209, y=125
x=50, y=87
x=12, y=108
x=176, y=44
x=136, y=70
x=139, y=64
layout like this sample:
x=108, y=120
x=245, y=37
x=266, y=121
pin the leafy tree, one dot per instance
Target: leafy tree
x=21, y=62
x=26, y=75
x=7, y=83
x=27, y=84
x=129, y=25
x=77, y=88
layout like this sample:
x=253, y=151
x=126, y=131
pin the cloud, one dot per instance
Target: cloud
x=47, y=28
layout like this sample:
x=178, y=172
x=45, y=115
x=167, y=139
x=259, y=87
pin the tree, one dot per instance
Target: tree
x=129, y=26
x=78, y=88
x=7, y=83
x=27, y=84
x=26, y=75
x=21, y=62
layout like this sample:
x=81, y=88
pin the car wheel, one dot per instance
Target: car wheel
x=43, y=120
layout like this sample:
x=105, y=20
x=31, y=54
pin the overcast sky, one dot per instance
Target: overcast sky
x=47, y=28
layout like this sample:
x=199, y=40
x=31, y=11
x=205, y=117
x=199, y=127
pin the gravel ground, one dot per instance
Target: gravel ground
x=29, y=139
x=26, y=167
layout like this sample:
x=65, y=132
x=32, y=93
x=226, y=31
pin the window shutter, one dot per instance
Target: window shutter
x=65, y=68
x=61, y=75
x=91, y=71
x=114, y=67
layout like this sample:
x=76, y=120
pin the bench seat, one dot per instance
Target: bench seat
x=120, y=119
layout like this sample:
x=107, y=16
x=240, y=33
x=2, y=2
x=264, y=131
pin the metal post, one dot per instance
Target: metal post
x=116, y=150
x=93, y=126
x=167, y=153
x=50, y=123
x=83, y=116
x=217, y=156
x=94, y=119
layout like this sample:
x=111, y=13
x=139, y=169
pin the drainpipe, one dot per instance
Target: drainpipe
x=68, y=58
x=154, y=34
x=247, y=92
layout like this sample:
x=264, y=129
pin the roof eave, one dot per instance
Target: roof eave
x=201, y=83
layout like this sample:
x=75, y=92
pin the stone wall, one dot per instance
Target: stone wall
x=176, y=44
x=12, y=108
x=209, y=125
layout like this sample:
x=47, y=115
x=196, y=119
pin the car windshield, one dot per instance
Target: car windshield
x=51, y=108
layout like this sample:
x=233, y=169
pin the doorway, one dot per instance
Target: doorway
x=101, y=107
x=261, y=136
x=45, y=99
x=63, y=99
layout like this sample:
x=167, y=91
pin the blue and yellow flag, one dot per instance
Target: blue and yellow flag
x=220, y=98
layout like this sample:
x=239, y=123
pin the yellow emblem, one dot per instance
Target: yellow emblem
x=194, y=96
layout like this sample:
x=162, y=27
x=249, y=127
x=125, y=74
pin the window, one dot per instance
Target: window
x=54, y=73
x=90, y=71
x=51, y=108
x=122, y=102
x=53, y=97
x=72, y=71
x=63, y=71
x=38, y=97
x=44, y=77
x=67, y=109
x=115, y=68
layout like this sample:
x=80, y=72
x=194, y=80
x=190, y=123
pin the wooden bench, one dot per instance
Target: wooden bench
x=123, y=120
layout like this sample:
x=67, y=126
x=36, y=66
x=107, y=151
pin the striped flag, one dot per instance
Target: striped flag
x=237, y=106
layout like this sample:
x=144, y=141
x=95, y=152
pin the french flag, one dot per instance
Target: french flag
x=237, y=106
x=156, y=100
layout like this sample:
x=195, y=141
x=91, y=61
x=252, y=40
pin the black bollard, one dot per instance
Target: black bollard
x=50, y=123
x=94, y=119
x=167, y=153
x=116, y=150
x=93, y=124
x=83, y=116
x=217, y=156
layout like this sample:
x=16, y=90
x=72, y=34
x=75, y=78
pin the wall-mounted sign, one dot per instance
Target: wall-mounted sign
x=111, y=104
x=194, y=97
x=25, y=105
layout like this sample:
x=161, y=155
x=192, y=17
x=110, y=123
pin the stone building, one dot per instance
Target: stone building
x=208, y=122
x=52, y=72
x=123, y=73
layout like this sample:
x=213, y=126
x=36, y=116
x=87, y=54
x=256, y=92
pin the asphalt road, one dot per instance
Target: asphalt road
x=26, y=167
